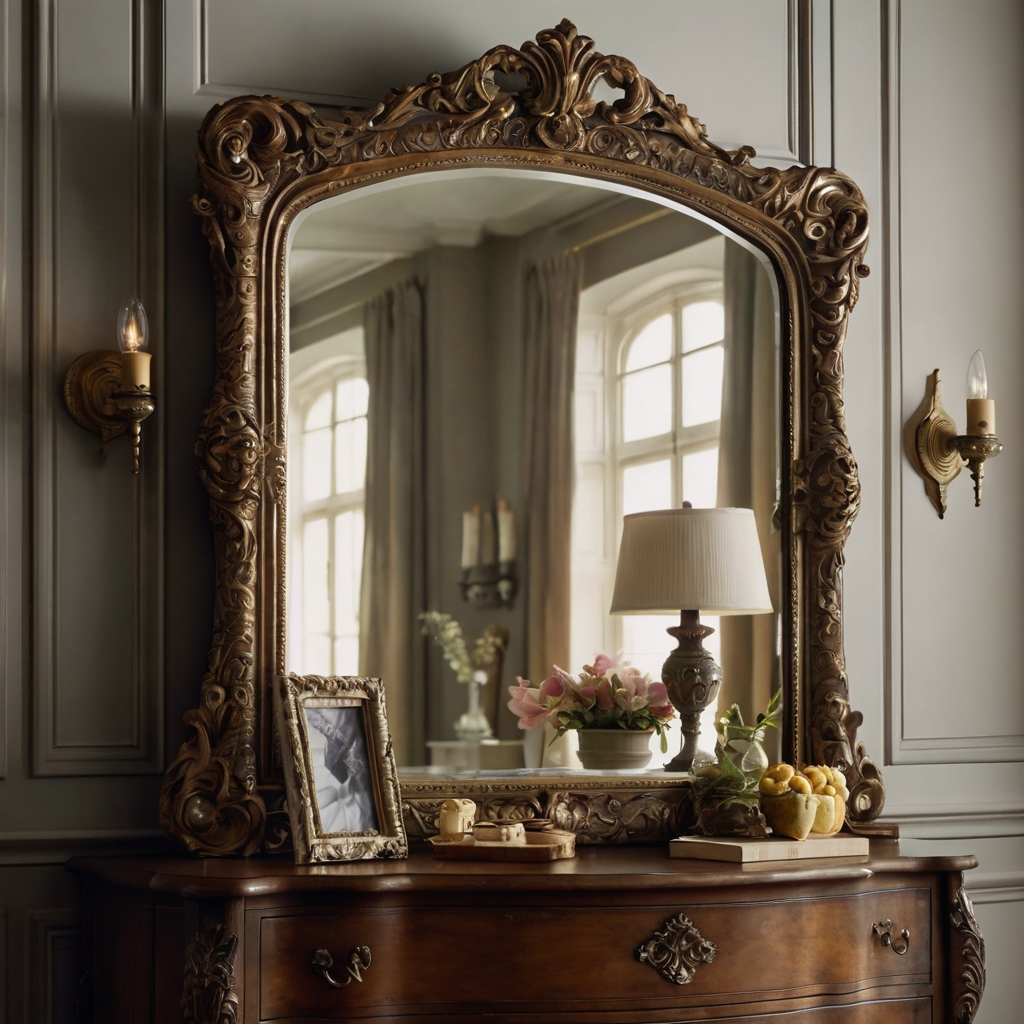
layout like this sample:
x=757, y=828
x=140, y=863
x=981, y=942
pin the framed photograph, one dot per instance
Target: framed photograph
x=343, y=795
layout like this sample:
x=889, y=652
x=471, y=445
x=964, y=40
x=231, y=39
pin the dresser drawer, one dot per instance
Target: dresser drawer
x=448, y=960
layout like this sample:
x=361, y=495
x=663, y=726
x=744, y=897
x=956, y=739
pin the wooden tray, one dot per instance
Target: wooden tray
x=540, y=846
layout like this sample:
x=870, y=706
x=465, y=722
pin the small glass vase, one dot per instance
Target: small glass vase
x=608, y=749
x=473, y=724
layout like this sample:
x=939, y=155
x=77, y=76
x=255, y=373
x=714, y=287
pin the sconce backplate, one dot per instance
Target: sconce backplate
x=935, y=443
x=89, y=388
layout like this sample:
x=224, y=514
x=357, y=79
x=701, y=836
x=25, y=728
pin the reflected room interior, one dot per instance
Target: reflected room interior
x=572, y=352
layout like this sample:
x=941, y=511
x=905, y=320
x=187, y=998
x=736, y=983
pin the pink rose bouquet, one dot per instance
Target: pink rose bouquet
x=605, y=695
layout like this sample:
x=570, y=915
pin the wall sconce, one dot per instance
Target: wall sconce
x=489, y=557
x=108, y=392
x=938, y=453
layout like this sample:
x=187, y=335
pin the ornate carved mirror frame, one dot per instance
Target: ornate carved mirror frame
x=263, y=160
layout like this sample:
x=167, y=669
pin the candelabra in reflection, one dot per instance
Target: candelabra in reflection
x=488, y=577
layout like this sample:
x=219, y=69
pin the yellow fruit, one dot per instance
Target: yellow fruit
x=775, y=780
x=824, y=820
x=792, y=814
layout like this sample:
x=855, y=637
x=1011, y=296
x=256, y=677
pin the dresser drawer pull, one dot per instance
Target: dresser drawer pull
x=677, y=950
x=358, y=961
x=884, y=932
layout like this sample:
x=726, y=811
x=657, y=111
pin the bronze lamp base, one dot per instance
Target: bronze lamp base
x=693, y=679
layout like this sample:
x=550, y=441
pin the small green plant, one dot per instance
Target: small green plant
x=725, y=792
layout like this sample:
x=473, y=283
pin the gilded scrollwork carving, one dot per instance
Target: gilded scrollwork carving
x=677, y=950
x=967, y=977
x=604, y=811
x=208, y=995
x=263, y=159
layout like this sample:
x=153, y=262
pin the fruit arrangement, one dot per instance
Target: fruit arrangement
x=796, y=803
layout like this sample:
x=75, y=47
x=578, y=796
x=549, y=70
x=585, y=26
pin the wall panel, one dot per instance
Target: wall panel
x=354, y=53
x=960, y=242
x=51, y=941
x=96, y=238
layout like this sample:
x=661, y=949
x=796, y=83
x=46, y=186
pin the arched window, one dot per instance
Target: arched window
x=328, y=431
x=669, y=404
x=648, y=397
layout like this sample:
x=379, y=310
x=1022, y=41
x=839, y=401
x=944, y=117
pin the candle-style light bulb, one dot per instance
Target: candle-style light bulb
x=132, y=326
x=981, y=410
x=132, y=329
x=977, y=378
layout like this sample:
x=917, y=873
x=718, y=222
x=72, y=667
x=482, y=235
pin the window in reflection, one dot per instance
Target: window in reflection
x=649, y=399
x=328, y=404
x=680, y=460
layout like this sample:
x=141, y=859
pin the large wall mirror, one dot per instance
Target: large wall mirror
x=672, y=372
x=381, y=277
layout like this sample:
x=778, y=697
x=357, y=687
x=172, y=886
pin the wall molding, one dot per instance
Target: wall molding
x=204, y=85
x=5, y=460
x=959, y=822
x=808, y=59
x=143, y=753
x=19, y=849
x=42, y=929
x=901, y=746
x=999, y=893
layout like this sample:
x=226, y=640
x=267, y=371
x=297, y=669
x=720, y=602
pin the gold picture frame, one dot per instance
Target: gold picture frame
x=343, y=796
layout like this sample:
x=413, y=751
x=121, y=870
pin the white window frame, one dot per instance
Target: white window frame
x=679, y=440
x=304, y=390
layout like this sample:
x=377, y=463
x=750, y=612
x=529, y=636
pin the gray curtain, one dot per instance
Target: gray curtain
x=552, y=292
x=391, y=645
x=747, y=469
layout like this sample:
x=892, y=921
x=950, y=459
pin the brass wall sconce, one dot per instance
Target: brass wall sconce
x=488, y=577
x=935, y=449
x=108, y=392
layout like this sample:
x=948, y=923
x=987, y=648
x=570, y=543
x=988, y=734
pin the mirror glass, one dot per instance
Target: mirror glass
x=673, y=382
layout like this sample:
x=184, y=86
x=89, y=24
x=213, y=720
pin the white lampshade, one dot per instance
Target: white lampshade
x=699, y=559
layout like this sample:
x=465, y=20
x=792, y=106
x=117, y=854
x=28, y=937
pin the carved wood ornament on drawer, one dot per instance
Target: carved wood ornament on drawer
x=262, y=160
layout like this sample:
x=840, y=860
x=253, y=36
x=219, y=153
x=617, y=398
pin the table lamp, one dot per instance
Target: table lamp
x=690, y=560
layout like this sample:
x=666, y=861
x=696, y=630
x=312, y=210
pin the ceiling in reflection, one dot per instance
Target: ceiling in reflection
x=341, y=241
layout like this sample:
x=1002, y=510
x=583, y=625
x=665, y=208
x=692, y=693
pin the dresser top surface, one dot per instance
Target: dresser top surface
x=593, y=868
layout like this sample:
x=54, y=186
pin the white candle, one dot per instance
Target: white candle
x=506, y=532
x=488, y=550
x=981, y=416
x=135, y=370
x=471, y=537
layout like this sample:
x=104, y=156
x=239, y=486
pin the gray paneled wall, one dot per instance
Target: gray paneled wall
x=106, y=584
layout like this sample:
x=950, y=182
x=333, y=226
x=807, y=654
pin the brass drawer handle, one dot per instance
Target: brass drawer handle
x=884, y=932
x=358, y=961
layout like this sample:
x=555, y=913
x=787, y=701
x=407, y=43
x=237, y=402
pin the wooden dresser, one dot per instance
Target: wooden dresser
x=616, y=935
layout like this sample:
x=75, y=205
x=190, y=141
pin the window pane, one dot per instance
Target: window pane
x=703, y=324
x=353, y=394
x=319, y=413
x=647, y=487
x=316, y=464
x=350, y=453
x=647, y=403
x=348, y=571
x=702, y=386
x=346, y=656
x=652, y=345
x=700, y=478
x=317, y=651
x=645, y=643
x=315, y=573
